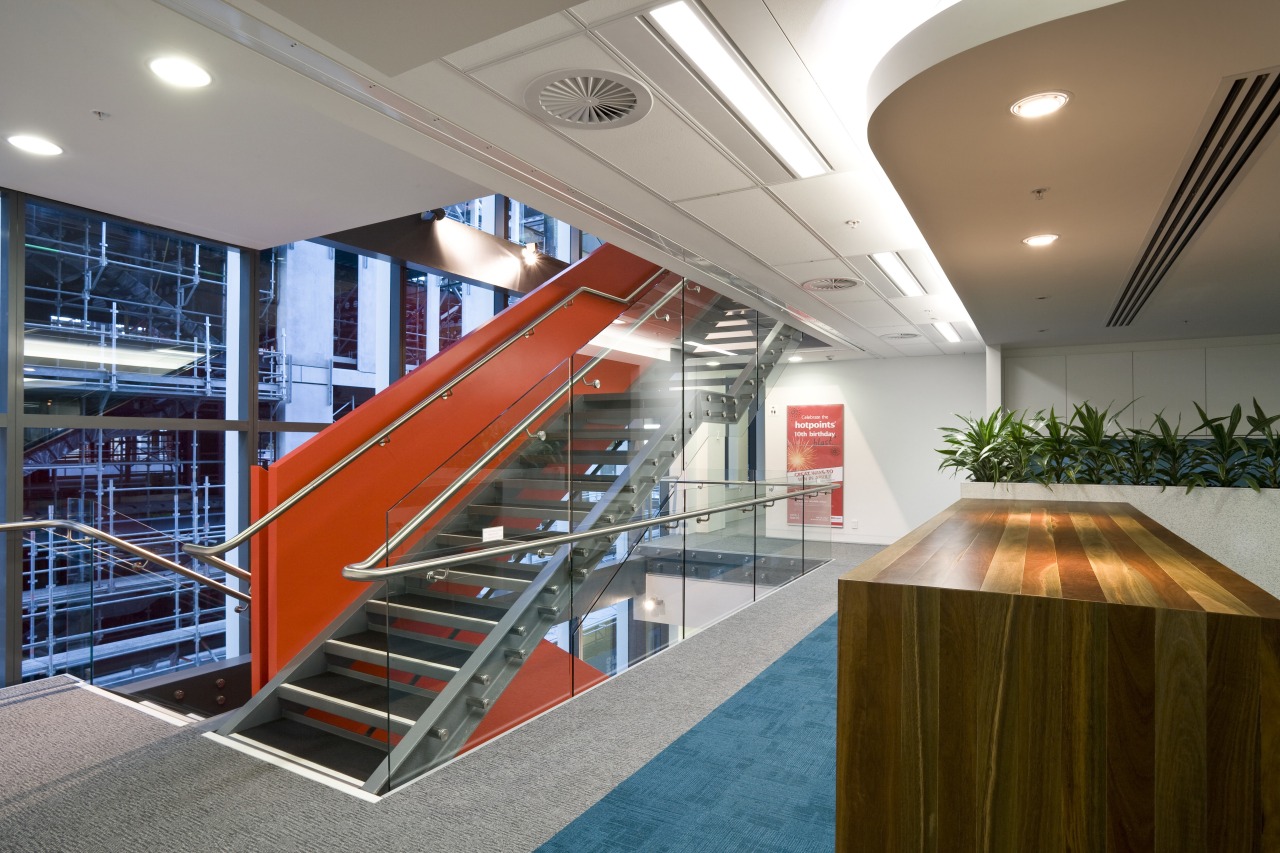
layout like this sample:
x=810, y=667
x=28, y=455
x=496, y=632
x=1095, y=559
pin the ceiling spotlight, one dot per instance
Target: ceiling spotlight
x=530, y=253
x=713, y=364
x=1040, y=239
x=34, y=145
x=180, y=72
x=1041, y=104
x=796, y=358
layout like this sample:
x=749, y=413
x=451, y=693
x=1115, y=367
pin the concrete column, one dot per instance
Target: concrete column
x=306, y=334
x=374, y=337
x=995, y=373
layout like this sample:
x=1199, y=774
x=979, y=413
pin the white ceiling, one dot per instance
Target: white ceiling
x=327, y=115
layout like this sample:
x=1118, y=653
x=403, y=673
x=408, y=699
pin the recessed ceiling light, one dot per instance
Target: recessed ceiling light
x=1040, y=239
x=34, y=145
x=948, y=331
x=1040, y=104
x=180, y=72
x=796, y=358
x=721, y=66
x=713, y=364
x=902, y=277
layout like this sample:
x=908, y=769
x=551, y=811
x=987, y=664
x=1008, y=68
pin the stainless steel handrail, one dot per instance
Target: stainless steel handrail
x=136, y=550
x=380, y=438
x=355, y=571
x=398, y=538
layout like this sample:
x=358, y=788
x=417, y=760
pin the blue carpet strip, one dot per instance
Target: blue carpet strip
x=757, y=773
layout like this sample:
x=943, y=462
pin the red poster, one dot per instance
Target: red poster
x=815, y=454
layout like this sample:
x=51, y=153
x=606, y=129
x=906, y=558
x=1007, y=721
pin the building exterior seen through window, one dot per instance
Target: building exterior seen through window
x=125, y=321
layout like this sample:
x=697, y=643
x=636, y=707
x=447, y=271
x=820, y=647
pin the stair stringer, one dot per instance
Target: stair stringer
x=443, y=731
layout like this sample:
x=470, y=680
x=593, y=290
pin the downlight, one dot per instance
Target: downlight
x=1040, y=104
x=588, y=100
x=1038, y=240
x=35, y=145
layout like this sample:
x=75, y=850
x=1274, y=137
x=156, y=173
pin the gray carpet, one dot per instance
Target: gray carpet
x=80, y=772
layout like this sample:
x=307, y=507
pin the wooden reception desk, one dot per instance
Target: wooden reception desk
x=1044, y=676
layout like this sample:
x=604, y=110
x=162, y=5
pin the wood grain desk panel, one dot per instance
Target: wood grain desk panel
x=1042, y=676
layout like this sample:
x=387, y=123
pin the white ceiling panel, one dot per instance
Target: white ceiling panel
x=756, y=222
x=530, y=36
x=394, y=36
x=660, y=151
x=873, y=315
x=931, y=309
x=598, y=11
x=829, y=202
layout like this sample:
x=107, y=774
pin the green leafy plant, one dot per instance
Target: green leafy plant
x=1054, y=451
x=1223, y=460
x=1136, y=457
x=1094, y=447
x=1175, y=460
x=981, y=447
x=1265, y=448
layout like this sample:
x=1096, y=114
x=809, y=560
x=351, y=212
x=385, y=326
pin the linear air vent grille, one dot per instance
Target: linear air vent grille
x=1250, y=107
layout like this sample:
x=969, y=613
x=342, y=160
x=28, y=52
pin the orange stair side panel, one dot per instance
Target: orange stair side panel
x=549, y=677
x=344, y=520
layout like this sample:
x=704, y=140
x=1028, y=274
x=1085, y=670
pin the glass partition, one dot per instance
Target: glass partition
x=654, y=419
x=109, y=617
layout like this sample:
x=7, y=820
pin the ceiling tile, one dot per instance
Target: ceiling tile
x=827, y=203
x=398, y=35
x=517, y=41
x=758, y=224
x=871, y=314
x=644, y=150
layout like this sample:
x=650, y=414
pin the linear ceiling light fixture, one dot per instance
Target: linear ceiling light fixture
x=179, y=72
x=892, y=265
x=728, y=73
x=948, y=331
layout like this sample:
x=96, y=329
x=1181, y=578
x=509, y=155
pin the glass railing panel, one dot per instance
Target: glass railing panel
x=109, y=617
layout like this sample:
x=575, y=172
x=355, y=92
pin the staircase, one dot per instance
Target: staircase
x=400, y=682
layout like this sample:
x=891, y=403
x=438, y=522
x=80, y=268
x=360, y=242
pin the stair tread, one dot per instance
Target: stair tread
x=374, y=697
x=418, y=649
x=456, y=605
x=338, y=754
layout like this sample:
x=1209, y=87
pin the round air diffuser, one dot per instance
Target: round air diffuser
x=827, y=284
x=588, y=100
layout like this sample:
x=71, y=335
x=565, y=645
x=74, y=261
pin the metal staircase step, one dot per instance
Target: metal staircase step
x=421, y=655
x=550, y=510
x=438, y=612
x=360, y=701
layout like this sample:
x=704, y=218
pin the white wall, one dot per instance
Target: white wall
x=1161, y=376
x=892, y=410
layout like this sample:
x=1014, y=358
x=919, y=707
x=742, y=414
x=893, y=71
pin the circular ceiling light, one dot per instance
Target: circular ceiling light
x=180, y=72
x=34, y=145
x=796, y=358
x=1040, y=104
x=588, y=99
x=1040, y=239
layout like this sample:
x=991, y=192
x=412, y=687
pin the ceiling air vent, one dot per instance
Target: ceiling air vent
x=1247, y=107
x=588, y=100
x=830, y=283
x=900, y=336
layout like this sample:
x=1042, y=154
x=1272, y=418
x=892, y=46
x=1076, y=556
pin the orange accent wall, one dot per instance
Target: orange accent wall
x=298, y=585
x=550, y=676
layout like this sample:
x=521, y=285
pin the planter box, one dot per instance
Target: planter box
x=1239, y=528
